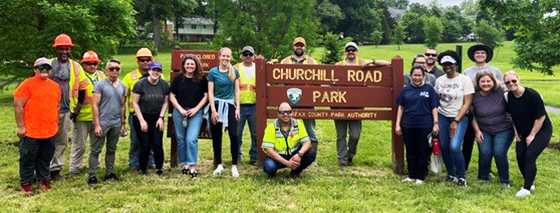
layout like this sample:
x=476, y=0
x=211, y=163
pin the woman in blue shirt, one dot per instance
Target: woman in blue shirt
x=418, y=103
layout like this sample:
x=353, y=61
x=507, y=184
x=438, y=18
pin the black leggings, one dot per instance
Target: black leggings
x=527, y=155
x=151, y=140
x=417, y=151
x=468, y=141
x=217, y=137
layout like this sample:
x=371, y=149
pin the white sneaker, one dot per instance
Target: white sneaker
x=219, y=170
x=408, y=180
x=533, y=187
x=523, y=192
x=419, y=182
x=314, y=164
x=234, y=172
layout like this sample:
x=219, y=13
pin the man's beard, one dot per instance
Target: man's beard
x=430, y=64
x=298, y=52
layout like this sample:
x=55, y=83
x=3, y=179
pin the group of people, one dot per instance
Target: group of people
x=64, y=91
x=461, y=108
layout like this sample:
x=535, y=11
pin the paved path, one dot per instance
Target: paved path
x=551, y=109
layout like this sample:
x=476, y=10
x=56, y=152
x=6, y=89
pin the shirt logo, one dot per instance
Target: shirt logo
x=425, y=94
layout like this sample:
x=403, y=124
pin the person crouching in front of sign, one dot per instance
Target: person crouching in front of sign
x=286, y=144
x=247, y=100
x=300, y=57
x=223, y=91
x=36, y=102
x=418, y=104
x=347, y=151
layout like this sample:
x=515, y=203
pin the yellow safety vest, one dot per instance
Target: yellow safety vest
x=360, y=61
x=273, y=137
x=86, y=114
x=78, y=81
x=247, y=86
x=129, y=81
x=288, y=60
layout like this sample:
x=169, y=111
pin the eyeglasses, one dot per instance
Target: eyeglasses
x=429, y=54
x=43, y=67
x=90, y=64
x=351, y=50
x=247, y=54
x=510, y=82
x=285, y=112
x=113, y=69
x=144, y=60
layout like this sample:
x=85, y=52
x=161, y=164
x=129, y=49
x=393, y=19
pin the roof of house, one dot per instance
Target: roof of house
x=201, y=21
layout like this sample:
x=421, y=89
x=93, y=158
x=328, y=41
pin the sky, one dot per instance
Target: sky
x=444, y=3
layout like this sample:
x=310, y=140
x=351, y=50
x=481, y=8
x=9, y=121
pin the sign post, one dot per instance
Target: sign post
x=351, y=91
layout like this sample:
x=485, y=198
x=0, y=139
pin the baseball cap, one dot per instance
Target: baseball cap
x=248, y=48
x=156, y=65
x=351, y=44
x=447, y=59
x=299, y=40
x=42, y=61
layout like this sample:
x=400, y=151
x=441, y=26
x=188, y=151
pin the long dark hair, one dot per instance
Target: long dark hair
x=198, y=74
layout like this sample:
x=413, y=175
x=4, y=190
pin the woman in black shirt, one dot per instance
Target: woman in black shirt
x=532, y=128
x=150, y=100
x=189, y=94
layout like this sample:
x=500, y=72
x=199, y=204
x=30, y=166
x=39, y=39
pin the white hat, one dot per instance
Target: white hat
x=448, y=59
x=351, y=44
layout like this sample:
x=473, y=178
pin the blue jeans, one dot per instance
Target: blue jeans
x=187, y=137
x=495, y=145
x=248, y=113
x=451, y=146
x=134, y=151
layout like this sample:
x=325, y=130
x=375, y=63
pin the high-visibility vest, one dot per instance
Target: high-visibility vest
x=129, y=81
x=78, y=81
x=247, y=86
x=273, y=137
x=288, y=60
x=86, y=114
x=360, y=61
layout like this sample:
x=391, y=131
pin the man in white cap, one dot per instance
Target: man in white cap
x=347, y=151
x=36, y=102
x=247, y=100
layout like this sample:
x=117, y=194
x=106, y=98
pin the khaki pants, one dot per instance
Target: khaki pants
x=61, y=141
x=82, y=129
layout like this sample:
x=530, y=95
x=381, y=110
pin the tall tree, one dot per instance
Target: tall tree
x=29, y=28
x=268, y=26
x=329, y=15
x=376, y=37
x=388, y=23
x=399, y=34
x=180, y=11
x=334, y=48
x=433, y=30
x=360, y=18
x=414, y=26
x=489, y=35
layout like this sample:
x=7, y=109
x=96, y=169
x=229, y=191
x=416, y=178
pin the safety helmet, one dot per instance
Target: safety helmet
x=63, y=40
x=144, y=52
x=90, y=56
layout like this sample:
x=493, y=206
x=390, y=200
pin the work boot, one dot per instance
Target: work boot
x=26, y=189
x=45, y=186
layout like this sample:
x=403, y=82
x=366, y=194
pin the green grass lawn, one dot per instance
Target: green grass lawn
x=369, y=185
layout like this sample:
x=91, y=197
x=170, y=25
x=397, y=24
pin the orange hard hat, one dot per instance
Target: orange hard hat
x=144, y=52
x=90, y=56
x=62, y=40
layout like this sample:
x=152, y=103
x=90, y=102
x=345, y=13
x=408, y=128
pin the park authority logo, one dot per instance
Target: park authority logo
x=294, y=95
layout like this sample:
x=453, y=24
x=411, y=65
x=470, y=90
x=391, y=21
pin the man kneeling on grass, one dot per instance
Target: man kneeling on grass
x=287, y=144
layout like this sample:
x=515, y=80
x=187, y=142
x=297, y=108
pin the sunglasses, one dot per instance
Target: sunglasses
x=351, y=50
x=113, y=69
x=90, y=64
x=43, y=67
x=285, y=112
x=247, y=54
x=510, y=82
x=144, y=60
x=428, y=54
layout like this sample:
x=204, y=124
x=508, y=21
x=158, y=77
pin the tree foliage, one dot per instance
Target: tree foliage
x=329, y=15
x=489, y=35
x=376, y=37
x=334, y=48
x=268, y=26
x=433, y=30
x=538, y=36
x=29, y=28
x=414, y=27
x=399, y=34
x=361, y=17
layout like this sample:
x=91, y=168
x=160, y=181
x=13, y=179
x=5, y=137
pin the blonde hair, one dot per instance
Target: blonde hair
x=511, y=72
x=231, y=70
x=482, y=73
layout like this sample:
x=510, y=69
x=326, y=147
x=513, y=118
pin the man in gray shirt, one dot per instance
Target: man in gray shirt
x=109, y=97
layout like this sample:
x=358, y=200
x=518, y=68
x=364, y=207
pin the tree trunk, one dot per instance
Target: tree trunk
x=157, y=30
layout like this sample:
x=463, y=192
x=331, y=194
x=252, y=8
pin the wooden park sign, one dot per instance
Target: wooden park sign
x=208, y=59
x=350, y=91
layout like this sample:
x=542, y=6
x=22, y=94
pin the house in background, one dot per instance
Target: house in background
x=192, y=29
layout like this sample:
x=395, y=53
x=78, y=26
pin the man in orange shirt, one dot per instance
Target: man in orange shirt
x=36, y=102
